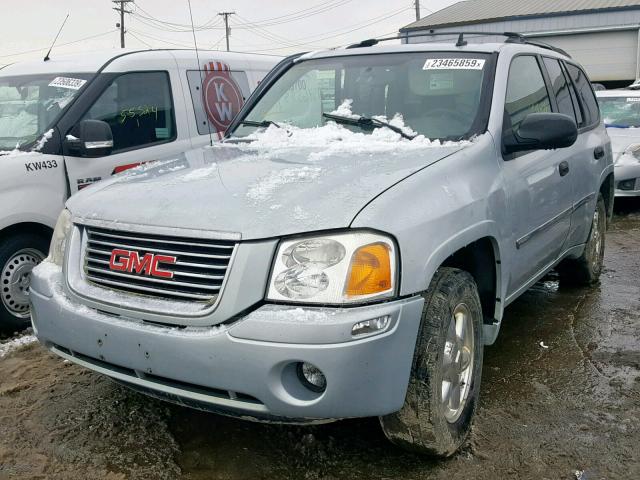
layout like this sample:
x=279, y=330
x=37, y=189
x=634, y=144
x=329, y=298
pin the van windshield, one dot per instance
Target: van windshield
x=620, y=112
x=30, y=103
x=441, y=95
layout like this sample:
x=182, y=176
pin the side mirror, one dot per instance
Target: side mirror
x=90, y=138
x=541, y=131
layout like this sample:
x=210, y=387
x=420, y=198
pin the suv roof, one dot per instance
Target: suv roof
x=430, y=47
x=91, y=62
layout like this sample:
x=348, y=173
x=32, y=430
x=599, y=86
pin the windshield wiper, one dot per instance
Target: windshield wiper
x=616, y=125
x=367, y=122
x=263, y=123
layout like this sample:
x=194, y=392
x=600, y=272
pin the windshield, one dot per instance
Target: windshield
x=621, y=112
x=30, y=103
x=438, y=94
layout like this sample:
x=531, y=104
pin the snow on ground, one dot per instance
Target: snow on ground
x=12, y=344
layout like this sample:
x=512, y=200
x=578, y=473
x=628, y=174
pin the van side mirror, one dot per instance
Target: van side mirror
x=90, y=138
x=541, y=131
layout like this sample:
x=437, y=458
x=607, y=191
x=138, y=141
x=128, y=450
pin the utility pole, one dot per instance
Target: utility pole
x=417, y=3
x=226, y=25
x=121, y=4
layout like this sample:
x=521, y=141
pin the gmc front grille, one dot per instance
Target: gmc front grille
x=198, y=272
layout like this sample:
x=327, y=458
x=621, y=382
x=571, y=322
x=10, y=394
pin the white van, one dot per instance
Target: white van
x=74, y=120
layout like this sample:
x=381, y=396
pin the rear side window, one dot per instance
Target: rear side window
x=590, y=110
x=560, y=88
x=139, y=109
x=217, y=94
x=526, y=91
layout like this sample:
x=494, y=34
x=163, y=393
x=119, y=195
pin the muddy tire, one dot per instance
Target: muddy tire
x=445, y=379
x=586, y=269
x=18, y=255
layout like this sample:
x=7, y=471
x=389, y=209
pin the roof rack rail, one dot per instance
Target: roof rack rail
x=511, y=37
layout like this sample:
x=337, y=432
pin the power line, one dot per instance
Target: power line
x=158, y=39
x=302, y=14
x=154, y=22
x=314, y=39
x=42, y=49
x=139, y=39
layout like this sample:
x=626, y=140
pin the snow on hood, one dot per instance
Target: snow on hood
x=280, y=181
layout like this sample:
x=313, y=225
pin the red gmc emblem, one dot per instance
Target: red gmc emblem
x=130, y=261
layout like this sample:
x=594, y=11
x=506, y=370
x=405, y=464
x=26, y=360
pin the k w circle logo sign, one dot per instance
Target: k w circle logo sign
x=221, y=95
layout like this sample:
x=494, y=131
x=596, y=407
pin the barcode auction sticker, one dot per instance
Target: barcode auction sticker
x=66, y=82
x=454, y=64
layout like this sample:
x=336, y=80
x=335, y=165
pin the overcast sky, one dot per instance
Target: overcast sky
x=281, y=27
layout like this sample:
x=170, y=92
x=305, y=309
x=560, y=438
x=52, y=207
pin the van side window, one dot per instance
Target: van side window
x=526, y=91
x=591, y=112
x=139, y=109
x=217, y=94
x=560, y=88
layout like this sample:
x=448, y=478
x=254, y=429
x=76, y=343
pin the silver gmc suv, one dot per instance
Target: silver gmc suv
x=351, y=246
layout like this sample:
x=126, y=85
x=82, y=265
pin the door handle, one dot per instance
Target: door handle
x=563, y=168
x=598, y=152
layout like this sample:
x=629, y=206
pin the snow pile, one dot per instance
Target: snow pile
x=332, y=138
x=43, y=140
x=344, y=110
x=263, y=189
x=15, y=343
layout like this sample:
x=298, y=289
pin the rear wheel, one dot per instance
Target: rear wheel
x=445, y=379
x=586, y=269
x=18, y=255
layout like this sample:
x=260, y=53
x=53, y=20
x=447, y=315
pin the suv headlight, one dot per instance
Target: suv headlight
x=59, y=239
x=334, y=269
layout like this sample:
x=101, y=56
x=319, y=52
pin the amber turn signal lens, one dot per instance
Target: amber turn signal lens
x=370, y=270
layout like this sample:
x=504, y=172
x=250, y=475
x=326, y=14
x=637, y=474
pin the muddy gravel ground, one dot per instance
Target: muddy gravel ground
x=560, y=400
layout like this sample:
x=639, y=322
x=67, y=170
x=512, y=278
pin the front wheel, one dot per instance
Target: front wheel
x=445, y=379
x=18, y=255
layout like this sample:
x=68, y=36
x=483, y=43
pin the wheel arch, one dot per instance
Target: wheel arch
x=607, y=189
x=36, y=228
x=476, y=251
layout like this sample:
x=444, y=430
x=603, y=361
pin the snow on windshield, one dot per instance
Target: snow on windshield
x=334, y=138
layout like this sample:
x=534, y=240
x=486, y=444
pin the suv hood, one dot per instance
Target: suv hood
x=621, y=138
x=255, y=193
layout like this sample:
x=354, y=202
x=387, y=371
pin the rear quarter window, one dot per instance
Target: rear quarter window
x=586, y=97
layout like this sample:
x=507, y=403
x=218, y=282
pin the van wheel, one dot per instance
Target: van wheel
x=447, y=365
x=18, y=255
x=586, y=269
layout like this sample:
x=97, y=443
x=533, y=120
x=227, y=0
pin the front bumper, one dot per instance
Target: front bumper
x=246, y=368
x=627, y=171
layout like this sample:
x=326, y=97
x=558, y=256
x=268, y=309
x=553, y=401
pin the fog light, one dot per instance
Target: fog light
x=311, y=377
x=627, y=184
x=371, y=326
